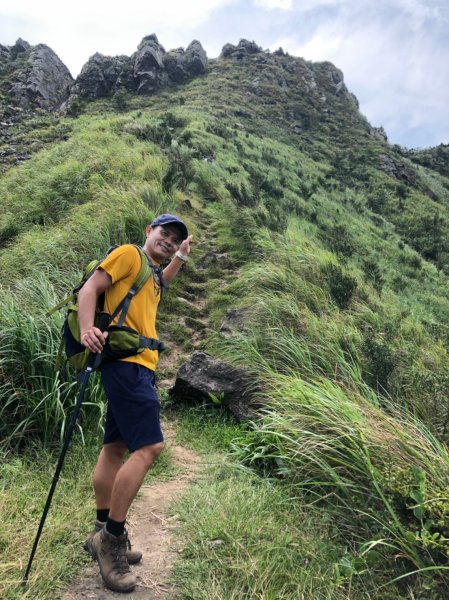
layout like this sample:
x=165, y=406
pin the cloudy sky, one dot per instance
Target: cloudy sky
x=394, y=53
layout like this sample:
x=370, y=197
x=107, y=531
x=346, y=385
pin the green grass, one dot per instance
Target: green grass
x=205, y=427
x=25, y=481
x=243, y=539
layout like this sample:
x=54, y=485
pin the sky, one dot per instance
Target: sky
x=394, y=54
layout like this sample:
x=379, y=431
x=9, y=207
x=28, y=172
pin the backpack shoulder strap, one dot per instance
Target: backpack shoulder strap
x=145, y=272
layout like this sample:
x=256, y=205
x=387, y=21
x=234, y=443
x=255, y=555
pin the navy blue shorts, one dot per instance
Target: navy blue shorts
x=133, y=405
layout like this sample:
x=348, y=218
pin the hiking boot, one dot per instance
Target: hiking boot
x=110, y=553
x=132, y=556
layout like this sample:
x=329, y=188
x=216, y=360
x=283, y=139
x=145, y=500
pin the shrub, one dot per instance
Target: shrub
x=180, y=170
x=339, y=238
x=341, y=285
x=373, y=273
x=120, y=100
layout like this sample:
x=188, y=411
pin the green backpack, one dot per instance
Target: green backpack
x=121, y=341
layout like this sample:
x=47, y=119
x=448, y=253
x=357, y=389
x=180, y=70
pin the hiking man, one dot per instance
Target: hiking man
x=132, y=420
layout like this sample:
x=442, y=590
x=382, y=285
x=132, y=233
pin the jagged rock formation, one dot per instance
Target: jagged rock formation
x=396, y=169
x=147, y=70
x=33, y=76
x=182, y=65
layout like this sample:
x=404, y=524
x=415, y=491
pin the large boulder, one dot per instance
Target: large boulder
x=42, y=81
x=174, y=63
x=202, y=376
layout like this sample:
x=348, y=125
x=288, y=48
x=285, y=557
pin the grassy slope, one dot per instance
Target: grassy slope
x=337, y=277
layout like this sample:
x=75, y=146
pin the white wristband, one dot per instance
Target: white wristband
x=181, y=256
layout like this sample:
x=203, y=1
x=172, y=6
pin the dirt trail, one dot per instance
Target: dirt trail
x=151, y=531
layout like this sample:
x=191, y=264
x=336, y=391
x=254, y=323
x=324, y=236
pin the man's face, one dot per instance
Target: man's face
x=162, y=241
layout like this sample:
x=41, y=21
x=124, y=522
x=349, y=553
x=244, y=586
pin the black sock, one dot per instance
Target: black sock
x=115, y=527
x=102, y=514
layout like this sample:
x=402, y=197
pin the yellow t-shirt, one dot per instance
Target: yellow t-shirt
x=123, y=265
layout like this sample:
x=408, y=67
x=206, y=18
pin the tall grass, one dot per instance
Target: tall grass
x=380, y=470
x=35, y=402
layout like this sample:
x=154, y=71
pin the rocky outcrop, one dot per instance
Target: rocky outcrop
x=149, y=72
x=19, y=47
x=41, y=80
x=203, y=376
x=183, y=65
x=102, y=75
x=243, y=49
x=399, y=170
x=38, y=79
x=336, y=77
x=149, y=69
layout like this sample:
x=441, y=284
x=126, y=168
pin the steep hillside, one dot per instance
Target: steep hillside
x=331, y=246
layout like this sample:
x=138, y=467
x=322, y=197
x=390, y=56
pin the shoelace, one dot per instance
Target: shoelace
x=119, y=557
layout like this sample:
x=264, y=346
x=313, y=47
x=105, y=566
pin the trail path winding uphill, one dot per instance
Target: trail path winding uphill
x=151, y=531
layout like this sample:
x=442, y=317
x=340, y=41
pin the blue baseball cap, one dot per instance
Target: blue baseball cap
x=167, y=219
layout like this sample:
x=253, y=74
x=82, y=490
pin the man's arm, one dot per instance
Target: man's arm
x=171, y=270
x=91, y=336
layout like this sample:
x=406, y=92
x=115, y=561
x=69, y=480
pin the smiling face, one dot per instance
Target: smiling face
x=162, y=241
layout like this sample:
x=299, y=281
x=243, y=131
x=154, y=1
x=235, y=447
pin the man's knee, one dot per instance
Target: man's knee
x=115, y=450
x=149, y=453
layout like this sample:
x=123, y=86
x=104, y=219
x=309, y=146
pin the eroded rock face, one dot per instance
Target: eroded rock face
x=183, y=65
x=203, y=375
x=235, y=321
x=174, y=65
x=43, y=81
x=195, y=59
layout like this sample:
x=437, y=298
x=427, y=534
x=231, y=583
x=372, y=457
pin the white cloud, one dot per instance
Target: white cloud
x=283, y=4
x=107, y=11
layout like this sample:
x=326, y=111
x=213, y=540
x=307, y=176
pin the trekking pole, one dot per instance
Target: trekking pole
x=93, y=363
